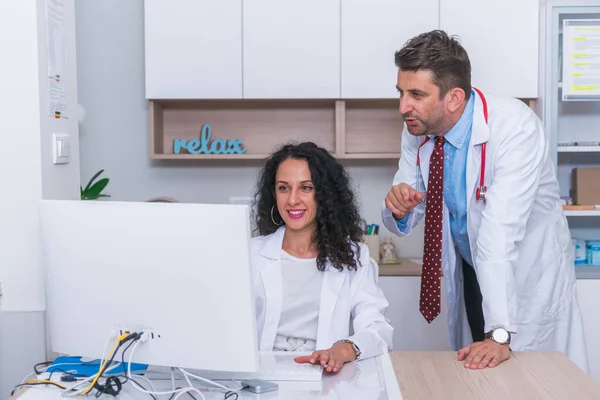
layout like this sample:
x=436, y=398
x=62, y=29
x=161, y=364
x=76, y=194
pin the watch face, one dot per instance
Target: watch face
x=500, y=335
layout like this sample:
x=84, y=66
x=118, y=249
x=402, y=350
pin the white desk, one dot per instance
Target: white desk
x=365, y=380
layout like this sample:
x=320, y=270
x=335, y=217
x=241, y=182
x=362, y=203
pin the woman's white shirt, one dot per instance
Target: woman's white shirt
x=351, y=303
x=301, y=290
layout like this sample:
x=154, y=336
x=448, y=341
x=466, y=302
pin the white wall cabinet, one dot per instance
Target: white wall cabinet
x=291, y=49
x=193, y=49
x=411, y=331
x=278, y=49
x=587, y=292
x=501, y=38
x=372, y=31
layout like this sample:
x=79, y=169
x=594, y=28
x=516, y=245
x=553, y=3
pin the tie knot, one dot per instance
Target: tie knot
x=439, y=141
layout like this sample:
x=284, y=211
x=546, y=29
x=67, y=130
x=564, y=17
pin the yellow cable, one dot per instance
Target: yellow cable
x=44, y=381
x=108, y=357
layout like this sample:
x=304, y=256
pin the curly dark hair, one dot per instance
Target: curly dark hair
x=339, y=223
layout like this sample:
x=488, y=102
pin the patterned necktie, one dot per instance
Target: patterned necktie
x=429, y=303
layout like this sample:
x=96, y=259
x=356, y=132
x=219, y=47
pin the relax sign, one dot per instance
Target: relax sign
x=205, y=146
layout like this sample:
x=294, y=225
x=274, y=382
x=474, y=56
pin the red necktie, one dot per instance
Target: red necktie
x=429, y=303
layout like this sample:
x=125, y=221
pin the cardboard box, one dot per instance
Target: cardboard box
x=585, y=186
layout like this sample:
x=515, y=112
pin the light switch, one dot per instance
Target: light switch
x=60, y=148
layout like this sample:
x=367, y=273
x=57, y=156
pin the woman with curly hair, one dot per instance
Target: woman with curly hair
x=313, y=276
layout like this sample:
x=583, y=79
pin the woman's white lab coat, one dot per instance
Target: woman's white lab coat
x=520, y=242
x=346, y=296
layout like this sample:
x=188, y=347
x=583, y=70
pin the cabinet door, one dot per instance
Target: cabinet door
x=193, y=49
x=411, y=331
x=501, y=38
x=291, y=48
x=587, y=291
x=372, y=31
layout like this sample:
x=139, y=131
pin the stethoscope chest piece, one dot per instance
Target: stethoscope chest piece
x=480, y=194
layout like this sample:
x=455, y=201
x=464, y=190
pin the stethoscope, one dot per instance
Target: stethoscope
x=482, y=189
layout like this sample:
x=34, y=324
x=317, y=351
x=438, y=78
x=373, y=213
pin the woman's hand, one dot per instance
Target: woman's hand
x=331, y=359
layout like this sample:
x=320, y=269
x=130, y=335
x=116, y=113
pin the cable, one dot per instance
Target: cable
x=32, y=374
x=108, y=387
x=185, y=373
x=177, y=392
x=230, y=393
x=137, y=383
x=67, y=373
x=173, y=395
x=42, y=363
x=129, y=378
x=187, y=391
x=153, y=389
x=36, y=382
x=103, y=366
x=112, y=386
x=69, y=391
x=137, y=342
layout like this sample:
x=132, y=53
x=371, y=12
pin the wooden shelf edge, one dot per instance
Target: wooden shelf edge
x=404, y=267
x=371, y=156
x=578, y=149
x=209, y=156
x=351, y=156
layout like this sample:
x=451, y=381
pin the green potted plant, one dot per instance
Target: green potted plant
x=93, y=191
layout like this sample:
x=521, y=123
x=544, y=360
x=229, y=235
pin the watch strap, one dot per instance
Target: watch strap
x=354, y=346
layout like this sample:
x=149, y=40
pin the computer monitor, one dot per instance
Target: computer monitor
x=178, y=271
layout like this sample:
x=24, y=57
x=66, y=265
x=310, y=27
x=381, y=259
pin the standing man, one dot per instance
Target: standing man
x=478, y=168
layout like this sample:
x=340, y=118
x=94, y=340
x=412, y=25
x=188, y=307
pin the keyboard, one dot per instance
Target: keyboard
x=274, y=366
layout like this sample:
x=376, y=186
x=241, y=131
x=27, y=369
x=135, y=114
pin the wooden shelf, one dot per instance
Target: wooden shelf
x=352, y=129
x=582, y=213
x=260, y=125
x=257, y=156
x=578, y=149
x=372, y=129
x=404, y=267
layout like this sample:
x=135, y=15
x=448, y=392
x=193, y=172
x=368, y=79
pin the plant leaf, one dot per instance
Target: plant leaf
x=93, y=179
x=97, y=188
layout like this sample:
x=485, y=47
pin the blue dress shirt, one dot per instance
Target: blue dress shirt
x=456, y=149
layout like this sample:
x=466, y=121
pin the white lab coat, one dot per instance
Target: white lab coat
x=346, y=296
x=520, y=241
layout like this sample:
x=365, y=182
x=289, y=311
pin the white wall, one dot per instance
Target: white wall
x=28, y=175
x=26, y=157
x=59, y=181
x=114, y=133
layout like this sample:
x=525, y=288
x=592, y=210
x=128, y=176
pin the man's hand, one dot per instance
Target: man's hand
x=484, y=354
x=401, y=199
x=331, y=359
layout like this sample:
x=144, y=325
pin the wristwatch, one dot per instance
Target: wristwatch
x=499, y=335
x=354, y=346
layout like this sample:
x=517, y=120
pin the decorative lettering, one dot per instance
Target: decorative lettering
x=205, y=146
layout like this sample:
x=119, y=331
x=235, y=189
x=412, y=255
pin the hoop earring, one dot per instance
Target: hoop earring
x=273, y=219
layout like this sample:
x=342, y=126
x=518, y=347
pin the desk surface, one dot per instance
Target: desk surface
x=422, y=375
x=526, y=375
